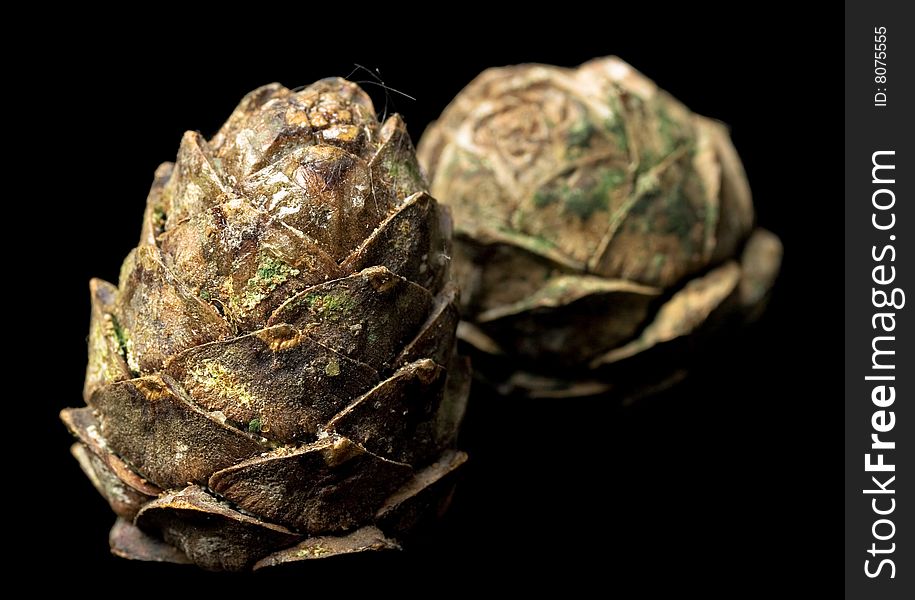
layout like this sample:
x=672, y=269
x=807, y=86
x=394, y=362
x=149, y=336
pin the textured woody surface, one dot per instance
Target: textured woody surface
x=276, y=364
x=593, y=212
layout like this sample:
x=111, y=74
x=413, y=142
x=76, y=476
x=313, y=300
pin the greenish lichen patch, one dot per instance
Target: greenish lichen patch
x=584, y=202
x=544, y=197
x=597, y=197
x=679, y=218
x=331, y=307
x=666, y=212
x=120, y=335
x=125, y=346
x=579, y=135
x=270, y=273
x=158, y=219
x=402, y=169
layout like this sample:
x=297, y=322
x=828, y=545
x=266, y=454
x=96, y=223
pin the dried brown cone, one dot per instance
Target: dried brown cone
x=273, y=378
x=601, y=227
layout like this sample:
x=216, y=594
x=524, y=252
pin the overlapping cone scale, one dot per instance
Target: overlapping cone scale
x=273, y=379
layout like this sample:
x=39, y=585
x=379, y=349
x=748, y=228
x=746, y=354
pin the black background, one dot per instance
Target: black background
x=723, y=485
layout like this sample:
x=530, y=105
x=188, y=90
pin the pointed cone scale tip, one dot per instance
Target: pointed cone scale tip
x=128, y=541
x=106, y=356
x=413, y=393
x=760, y=264
x=450, y=415
x=123, y=499
x=686, y=311
x=423, y=498
x=83, y=424
x=436, y=336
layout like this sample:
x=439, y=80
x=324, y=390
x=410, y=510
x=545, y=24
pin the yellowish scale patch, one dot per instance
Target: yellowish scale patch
x=333, y=368
x=316, y=550
x=217, y=381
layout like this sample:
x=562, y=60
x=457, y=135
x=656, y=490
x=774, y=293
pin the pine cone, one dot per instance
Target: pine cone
x=601, y=227
x=268, y=381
